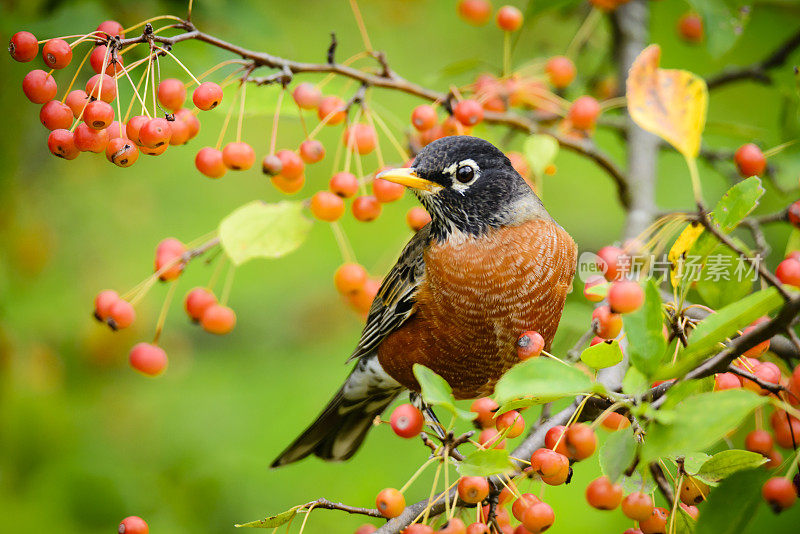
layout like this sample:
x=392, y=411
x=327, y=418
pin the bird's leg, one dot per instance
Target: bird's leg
x=427, y=412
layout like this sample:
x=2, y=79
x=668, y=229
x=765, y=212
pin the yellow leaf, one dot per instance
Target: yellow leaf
x=677, y=254
x=669, y=103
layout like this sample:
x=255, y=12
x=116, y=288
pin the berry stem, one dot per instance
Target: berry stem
x=162, y=315
x=227, y=120
x=793, y=466
x=584, y=31
x=778, y=149
x=135, y=92
x=275, y=119
x=695, y=175
x=150, y=20
x=241, y=113
x=506, y=53
x=226, y=289
x=119, y=108
x=614, y=103
x=368, y=112
x=418, y=473
x=308, y=514
x=216, y=68
x=179, y=62
x=86, y=37
x=362, y=28
x=392, y=139
x=75, y=76
x=433, y=490
x=342, y=242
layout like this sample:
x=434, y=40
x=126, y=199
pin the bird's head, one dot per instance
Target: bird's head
x=468, y=186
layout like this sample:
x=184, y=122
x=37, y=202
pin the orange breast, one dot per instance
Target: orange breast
x=478, y=296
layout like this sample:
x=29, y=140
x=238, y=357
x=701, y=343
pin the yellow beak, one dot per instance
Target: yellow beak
x=408, y=178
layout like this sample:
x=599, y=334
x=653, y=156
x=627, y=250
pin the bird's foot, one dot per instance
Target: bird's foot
x=430, y=417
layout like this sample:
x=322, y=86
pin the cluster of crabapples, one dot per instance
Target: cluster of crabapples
x=84, y=120
x=200, y=303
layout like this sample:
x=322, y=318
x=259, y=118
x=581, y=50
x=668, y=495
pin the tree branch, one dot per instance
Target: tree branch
x=758, y=71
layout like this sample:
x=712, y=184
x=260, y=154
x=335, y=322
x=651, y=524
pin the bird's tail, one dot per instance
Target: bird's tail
x=342, y=426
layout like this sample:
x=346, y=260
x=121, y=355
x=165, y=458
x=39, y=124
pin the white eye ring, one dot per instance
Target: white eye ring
x=455, y=169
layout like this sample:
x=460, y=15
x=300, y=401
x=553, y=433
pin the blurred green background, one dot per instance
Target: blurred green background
x=85, y=441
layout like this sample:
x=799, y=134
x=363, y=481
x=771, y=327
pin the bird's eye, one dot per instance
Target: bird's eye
x=465, y=174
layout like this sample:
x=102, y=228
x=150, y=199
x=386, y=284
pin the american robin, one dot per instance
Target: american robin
x=490, y=265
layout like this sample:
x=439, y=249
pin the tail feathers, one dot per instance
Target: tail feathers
x=340, y=429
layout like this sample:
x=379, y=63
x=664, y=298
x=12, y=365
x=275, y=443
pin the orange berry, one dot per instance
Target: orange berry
x=485, y=408
x=637, y=506
x=360, y=137
x=603, y=495
x=168, y=253
x=468, y=112
x=366, y=208
x=238, y=156
x=287, y=185
x=207, y=96
x=509, y=18
x=218, y=319
x=390, y=503
x=350, y=278
x=473, y=490
x=407, y=421
x=386, y=191
x=583, y=112
x=327, y=206
x=423, y=117
x=690, y=27
x=307, y=96
x=581, y=441
x=529, y=345
x=344, y=184
x=148, y=359
x=625, y=296
x=693, y=490
x=513, y=421
x=561, y=71
x=538, y=517
x=614, y=421
x=209, y=162
x=121, y=315
x=171, y=94
x=476, y=12
x=417, y=218
x=331, y=107
x=155, y=133
x=197, y=301
x=292, y=165
x=311, y=151
x=122, y=152
x=606, y=324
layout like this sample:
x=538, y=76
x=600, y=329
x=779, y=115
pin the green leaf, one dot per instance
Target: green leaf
x=599, y=290
x=722, y=24
x=273, y=521
x=732, y=504
x=684, y=523
x=484, y=463
x=640, y=480
x=617, y=453
x=693, y=461
x=541, y=377
x=681, y=390
x=602, y=355
x=540, y=150
x=725, y=463
x=634, y=383
x=736, y=204
x=699, y=422
x=261, y=230
x=437, y=392
x=715, y=328
x=644, y=327
x=721, y=282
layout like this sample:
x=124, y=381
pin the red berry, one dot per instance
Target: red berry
x=77, y=100
x=637, y=506
x=307, y=96
x=625, y=296
x=55, y=115
x=583, y=113
x=103, y=87
x=561, y=71
x=407, y=421
x=62, y=144
x=485, y=408
x=361, y=300
x=366, y=208
x=788, y=272
x=386, y=191
x=693, y=490
x=555, y=440
x=521, y=504
x=366, y=528
x=90, y=140
x=468, y=112
x=581, y=441
x=39, y=86
x=103, y=302
x=476, y=12
x=121, y=314
x=99, y=56
x=656, y=523
x=288, y=186
x=190, y=119
x=390, y=503
x=418, y=528
x=218, y=319
x=23, y=46
x=133, y=525
x=134, y=127
x=473, y=490
x=98, y=115
x=327, y=206
x=207, y=96
x=690, y=27
x=209, y=162
x=509, y=18
x=529, y=345
x=538, y=517
x=153, y=151
x=148, y=359
x=111, y=28
x=171, y=94
x=779, y=493
x=613, y=262
x=489, y=438
x=197, y=301
x=478, y=528
x=603, y=495
x=453, y=526
x=350, y=278
x=178, y=132
x=155, y=133
x=168, y=262
x=238, y=156
x=311, y=151
x=793, y=214
x=292, y=164
x=332, y=108
x=759, y=441
x=122, y=152
x=424, y=117
x=614, y=421
x=271, y=165
x=56, y=53
x=344, y=184
x=417, y=218
x=726, y=381
x=513, y=421
x=750, y=160
x=361, y=138
x=606, y=324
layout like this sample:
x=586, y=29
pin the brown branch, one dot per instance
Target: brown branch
x=325, y=504
x=389, y=79
x=662, y=482
x=758, y=71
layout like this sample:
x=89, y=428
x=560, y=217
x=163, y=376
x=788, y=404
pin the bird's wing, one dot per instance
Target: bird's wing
x=395, y=300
